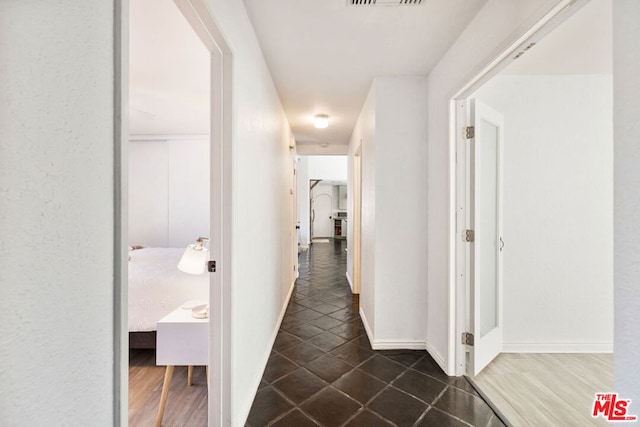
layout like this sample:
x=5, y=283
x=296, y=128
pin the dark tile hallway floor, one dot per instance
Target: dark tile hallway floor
x=322, y=370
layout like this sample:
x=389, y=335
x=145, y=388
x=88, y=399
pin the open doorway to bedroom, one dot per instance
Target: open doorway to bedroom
x=169, y=209
x=535, y=224
x=176, y=170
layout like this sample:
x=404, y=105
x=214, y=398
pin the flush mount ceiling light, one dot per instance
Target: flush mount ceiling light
x=321, y=121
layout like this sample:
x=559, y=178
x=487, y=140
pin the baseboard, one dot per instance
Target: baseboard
x=390, y=344
x=435, y=354
x=397, y=344
x=557, y=347
x=349, y=280
x=244, y=414
x=365, y=322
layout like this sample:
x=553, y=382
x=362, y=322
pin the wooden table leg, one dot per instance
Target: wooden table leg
x=165, y=391
x=207, y=376
x=190, y=375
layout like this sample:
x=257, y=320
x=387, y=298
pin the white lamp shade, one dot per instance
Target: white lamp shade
x=194, y=261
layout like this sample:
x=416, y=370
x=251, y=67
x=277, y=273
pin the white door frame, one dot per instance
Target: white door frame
x=459, y=284
x=295, y=227
x=204, y=24
x=357, y=217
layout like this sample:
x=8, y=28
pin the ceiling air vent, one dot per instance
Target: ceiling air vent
x=383, y=2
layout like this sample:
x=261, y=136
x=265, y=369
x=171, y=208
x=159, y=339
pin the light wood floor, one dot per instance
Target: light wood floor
x=186, y=406
x=547, y=389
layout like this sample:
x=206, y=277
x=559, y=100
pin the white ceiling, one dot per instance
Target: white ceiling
x=323, y=54
x=583, y=44
x=168, y=72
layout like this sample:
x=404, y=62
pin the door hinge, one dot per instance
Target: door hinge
x=467, y=338
x=468, y=236
x=469, y=132
x=211, y=266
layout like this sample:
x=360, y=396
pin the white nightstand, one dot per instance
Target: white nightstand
x=181, y=341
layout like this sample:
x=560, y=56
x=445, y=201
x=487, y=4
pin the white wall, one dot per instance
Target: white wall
x=56, y=213
x=262, y=208
x=497, y=24
x=168, y=191
x=626, y=66
x=328, y=167
x=401, y=198
x=394, y=170
x=558, y=210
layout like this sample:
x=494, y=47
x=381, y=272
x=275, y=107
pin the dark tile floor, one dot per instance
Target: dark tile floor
x=322, y=370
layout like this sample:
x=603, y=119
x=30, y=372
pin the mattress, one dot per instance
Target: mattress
x=157, y=287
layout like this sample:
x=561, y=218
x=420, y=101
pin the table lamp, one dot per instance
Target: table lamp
x=194, y=261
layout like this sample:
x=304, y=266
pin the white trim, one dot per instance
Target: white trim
x=349, y=280
x=172, y=137
x=390, y=344
x=121, y=214
x=365, y=322
x=557, y=347
x=436, y=356
x=538, y=30
x=459, y=292
x=395, y=345
x=203, y=22
x=244, y=414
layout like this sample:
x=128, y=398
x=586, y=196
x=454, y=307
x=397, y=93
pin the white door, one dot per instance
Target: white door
x=322, y=210
x=487, y=246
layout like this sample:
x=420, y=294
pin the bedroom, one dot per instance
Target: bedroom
x=169, y=203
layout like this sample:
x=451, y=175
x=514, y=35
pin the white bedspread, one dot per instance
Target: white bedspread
x=157, y=287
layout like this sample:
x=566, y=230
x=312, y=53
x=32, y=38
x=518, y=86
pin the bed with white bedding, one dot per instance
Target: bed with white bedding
x=156, y=288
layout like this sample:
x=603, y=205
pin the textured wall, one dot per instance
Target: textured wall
x=626, y=68
x=56, y=212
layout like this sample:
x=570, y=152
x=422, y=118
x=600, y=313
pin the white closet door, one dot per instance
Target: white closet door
x=148, y=193
x=188, y=191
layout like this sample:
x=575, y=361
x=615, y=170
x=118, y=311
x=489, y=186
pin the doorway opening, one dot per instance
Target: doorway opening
x=180, y=190
x=357, y=217
x=534, y=142
x=322, y=199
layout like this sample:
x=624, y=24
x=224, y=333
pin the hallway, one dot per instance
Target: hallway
x=322, y=370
